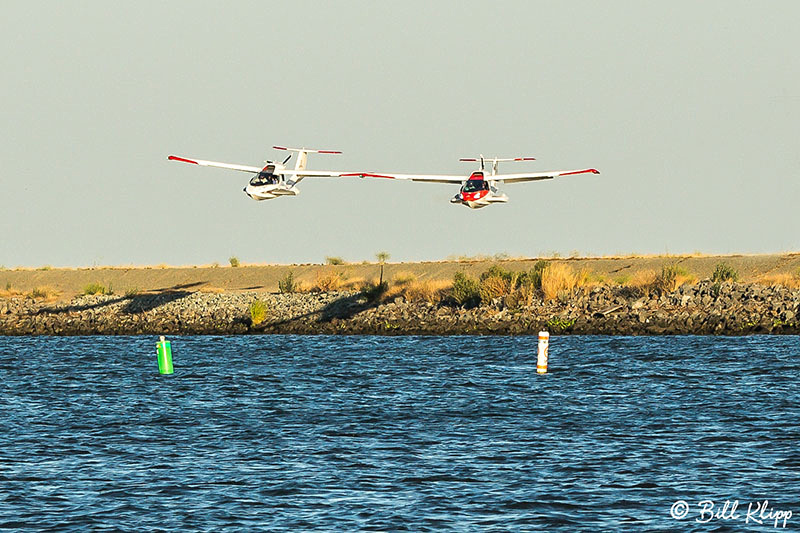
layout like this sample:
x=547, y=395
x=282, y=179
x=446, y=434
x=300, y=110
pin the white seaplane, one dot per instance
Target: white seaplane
x=274, y=179
x=479, y=190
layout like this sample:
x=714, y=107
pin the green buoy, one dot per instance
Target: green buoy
x=164, y=351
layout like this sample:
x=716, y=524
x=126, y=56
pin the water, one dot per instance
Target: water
x=395, y=433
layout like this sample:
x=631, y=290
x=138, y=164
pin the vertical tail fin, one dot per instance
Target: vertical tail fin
x=302, y=159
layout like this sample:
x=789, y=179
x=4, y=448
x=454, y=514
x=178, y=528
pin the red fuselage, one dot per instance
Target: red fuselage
x=475, y=188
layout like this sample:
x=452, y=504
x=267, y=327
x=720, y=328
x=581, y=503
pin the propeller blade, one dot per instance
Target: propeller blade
x=287, y=159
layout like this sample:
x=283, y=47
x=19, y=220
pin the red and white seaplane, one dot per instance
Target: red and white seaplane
x=479, y=189
x=274, y=179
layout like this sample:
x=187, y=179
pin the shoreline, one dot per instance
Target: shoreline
x=700, y=309
x=607, y=296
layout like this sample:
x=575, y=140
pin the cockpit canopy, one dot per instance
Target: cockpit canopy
x=473, y=185
x=265, y=177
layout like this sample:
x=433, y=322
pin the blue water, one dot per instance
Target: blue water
x=348, y=433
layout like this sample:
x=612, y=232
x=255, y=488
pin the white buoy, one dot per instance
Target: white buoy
x=541, y=361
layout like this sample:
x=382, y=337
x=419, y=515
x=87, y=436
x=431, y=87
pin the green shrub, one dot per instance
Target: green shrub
x=496, y=271
x=46, y=267
x=373, y=292
x=95, y=288
x=667, y=280
x=466, y=290
x=258, y=312
x=133, y=291
x=42, y=292
x=724, y=272
x=559, y=324
x=287, y=285
x=534, y=277
x=334, y=261
x=234, y=261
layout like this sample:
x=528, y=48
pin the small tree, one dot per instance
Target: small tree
x=382, y=257
x=287, y=285
x=724, y=272
x=234, y=261
x=466, y=290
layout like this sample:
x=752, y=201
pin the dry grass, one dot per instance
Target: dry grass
x=427, y=291
x=559, y=279
x=10, y=293
x=210, y=290
x=430, y=291
x=352, y=284
x=497, y=287
x=327, y=282
x=404, y=278
x=43, y=293
x=642, y=281
x=791, y=281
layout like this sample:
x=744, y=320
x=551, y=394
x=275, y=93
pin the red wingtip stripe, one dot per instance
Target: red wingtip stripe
x=467, y=159
x=592, y=170
x=525, y=159
x=329, y=152
x=280, y=147
x=176, y=158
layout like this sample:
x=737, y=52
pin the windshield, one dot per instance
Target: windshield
x=475, y=185
x=265, y=177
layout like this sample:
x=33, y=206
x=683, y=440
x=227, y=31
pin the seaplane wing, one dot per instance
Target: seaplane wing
x=316, y=173
x=536, y=176
x=302, y=173
x=203, y=163
x=429, y=178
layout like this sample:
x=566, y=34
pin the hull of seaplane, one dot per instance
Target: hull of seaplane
x=268, y=192
x=477, y=203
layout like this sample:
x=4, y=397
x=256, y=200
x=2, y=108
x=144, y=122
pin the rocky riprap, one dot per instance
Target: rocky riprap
x=703, y=308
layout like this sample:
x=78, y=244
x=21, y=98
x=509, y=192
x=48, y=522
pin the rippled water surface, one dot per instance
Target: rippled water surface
x=394, y=433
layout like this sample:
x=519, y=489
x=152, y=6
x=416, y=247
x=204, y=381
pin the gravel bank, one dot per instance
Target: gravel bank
x=703, y=308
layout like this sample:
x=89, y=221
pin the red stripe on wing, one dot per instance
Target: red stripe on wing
x=176, y=158
x=592, y=170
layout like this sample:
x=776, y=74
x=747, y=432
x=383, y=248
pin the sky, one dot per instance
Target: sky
x=690, y=110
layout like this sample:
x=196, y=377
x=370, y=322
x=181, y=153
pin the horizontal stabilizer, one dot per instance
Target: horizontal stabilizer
x=307, y=150
x=498, y=159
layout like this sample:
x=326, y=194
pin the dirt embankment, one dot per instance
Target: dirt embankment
x=65, y=284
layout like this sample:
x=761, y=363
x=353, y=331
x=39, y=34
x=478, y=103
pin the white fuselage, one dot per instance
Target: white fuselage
x=268, y=192
x=270, y=183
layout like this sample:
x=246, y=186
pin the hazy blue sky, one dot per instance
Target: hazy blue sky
x=691, y=110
